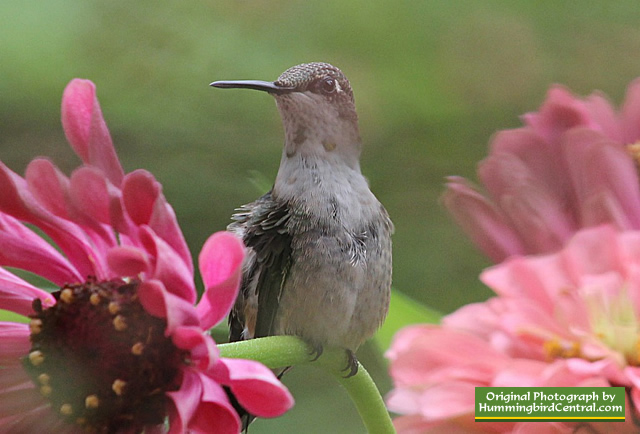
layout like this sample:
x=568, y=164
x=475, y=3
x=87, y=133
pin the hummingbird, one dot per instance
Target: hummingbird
x=318, y=264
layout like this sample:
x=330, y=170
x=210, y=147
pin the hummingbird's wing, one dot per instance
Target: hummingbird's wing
x=264, y=229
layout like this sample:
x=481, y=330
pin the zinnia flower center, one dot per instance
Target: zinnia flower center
x=101, y=360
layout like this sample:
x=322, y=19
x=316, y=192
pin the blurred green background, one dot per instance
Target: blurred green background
x=432, y=79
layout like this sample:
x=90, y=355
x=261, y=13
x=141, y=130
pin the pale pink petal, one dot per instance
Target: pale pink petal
x=599, y=165
x=220, y=264
x=591, y=251
x=559, y=112
x=434, y=353
x=631, y=113
x=527, y=158
x=86, y=130
x=603, y=114
x=448, y=400
x=17, y=296
x=254, y=385
x=481, y=220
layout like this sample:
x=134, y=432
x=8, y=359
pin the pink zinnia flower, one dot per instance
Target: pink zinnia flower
x=120, y=347
x=572, y=316
x=569, y=167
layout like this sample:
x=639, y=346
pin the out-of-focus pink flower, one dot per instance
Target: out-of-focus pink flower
x=568, y=168
x=436, y=370
x=121, y=346
x=571, y=318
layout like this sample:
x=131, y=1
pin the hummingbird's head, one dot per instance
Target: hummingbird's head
x=317, y=107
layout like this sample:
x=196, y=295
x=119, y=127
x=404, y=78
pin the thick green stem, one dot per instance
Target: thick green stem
x=281, y=351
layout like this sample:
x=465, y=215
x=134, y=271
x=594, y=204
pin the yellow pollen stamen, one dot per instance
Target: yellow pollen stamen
x=114, y=308
x=92, y=401
x=634, y=150
x=46, y=390
x=118, y=387
x=95, y=299
x=35, y=326
x=137, y=348
x=555, y=349
x=66, y=409
x=119, y=323
x=66, y=295
x=36, y=357
x=44, y=379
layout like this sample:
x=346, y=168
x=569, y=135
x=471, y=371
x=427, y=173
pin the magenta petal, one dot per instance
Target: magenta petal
x=89, y=192
x=24, y=249
x=204, y=352
x=185, y=401
x=15, y=342
x=140, y=190
x=220, y=264
x=17, y=295
x=48, y=185
x=156, y=300
x=169, y=267
x=144, y=202
x=254, y=385
x=86, y=130
x=214, y=414
x=17, y=201
x=128, y=261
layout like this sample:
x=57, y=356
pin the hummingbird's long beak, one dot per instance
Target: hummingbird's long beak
x=265, y=86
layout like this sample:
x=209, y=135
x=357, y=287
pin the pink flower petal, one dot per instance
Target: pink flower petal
x=254, y=385
x=86, y=130
x=17, y=201
x=24, y=249
x=215, y=413
x=631, y=113
x=17, y=296
x=481, y=220
x=201, y=406
x=160, y=303
x=48, y=185
x=15, y=342
x=560, y=112
x=128, y=261
x=204, y=352
x=144, y=202
x=169, y=267
x=90, y=193
x=185, y=401
x=221, y=267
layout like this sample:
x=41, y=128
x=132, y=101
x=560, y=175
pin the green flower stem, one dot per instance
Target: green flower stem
x=281, y=351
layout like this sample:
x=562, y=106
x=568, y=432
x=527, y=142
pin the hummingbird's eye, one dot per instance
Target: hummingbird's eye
x=327, y=85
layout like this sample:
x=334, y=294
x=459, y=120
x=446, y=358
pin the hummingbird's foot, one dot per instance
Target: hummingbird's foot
x=352, y=364
x=317, y=350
